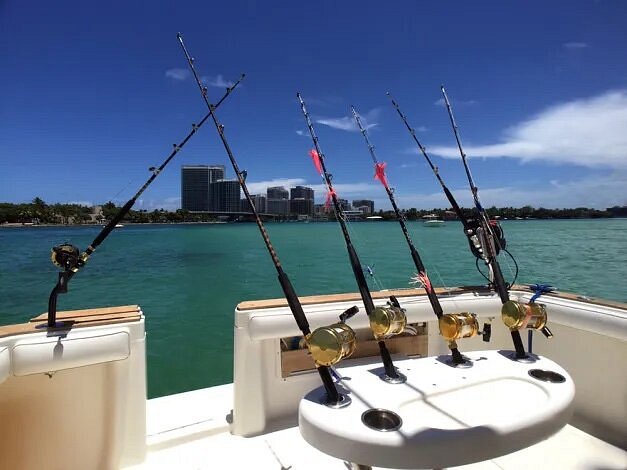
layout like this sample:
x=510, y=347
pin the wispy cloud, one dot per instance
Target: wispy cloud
x=218, y=81
x=302, y=133
x=440, y=102
x=177, y=74
x=347, y=123
x=588, y=132
x=574, y=45
x=598, y=192
x=421, y=129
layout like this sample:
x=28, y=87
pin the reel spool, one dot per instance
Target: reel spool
x=455, y=326
x=67, y=257
x=328, y=345
x=517, y=316
x=387, y=321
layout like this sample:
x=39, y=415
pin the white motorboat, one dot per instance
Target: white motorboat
x=75, y=397
x=432, y=220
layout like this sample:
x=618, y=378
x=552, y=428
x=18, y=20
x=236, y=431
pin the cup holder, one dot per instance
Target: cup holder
x=547, y=376
x=381, y=420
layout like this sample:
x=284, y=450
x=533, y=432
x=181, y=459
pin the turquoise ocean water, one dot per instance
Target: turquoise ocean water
x=188, y=278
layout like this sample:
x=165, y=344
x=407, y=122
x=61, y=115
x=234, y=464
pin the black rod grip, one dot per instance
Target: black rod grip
x=362, y=284
x=388, y=365
x=112, y=223
x=333, y=397
x=293, y=302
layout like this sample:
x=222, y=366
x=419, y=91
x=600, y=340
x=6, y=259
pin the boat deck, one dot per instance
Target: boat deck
x=191, y=430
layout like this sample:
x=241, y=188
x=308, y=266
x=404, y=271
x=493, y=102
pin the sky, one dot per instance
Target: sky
x=93, y=94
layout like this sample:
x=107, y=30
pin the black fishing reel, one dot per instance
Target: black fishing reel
x=477, y=242
x=67, y=257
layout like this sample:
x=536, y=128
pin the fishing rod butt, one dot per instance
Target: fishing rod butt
x=390, y=374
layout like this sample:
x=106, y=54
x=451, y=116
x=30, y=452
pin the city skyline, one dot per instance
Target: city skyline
x=539, y=92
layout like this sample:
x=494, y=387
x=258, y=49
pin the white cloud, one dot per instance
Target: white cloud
x=177, y=74
x=218, y=81
x=302, y=133
x=440, y=102
x=347, y=123
x=82, y=203
x=574, y=45
x=597, y=192
x=588, y=132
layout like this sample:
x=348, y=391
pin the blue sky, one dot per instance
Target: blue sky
x=94, y=94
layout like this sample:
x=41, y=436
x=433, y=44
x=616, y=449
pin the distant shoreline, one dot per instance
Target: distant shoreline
x=27, y=225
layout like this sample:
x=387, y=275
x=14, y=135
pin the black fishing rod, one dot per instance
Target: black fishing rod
x=489, y=240
x=393, y=318
x=472, y=227
x=422, y=271
x=328, y=345
x=69, y=258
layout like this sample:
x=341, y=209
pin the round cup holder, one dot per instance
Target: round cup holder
x=381, y=420
x=547, y=376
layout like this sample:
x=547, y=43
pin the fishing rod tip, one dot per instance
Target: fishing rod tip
x=179, y=35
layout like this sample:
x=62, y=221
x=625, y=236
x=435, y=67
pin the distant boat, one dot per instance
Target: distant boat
x=432, y=220
x=119, y=225
x=374, y=217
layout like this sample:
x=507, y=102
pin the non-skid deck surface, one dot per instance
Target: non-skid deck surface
x=76, y=319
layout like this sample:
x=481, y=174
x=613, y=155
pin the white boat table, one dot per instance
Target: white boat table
x=449, y=416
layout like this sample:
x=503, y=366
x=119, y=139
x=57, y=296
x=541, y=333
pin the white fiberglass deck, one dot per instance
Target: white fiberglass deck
x=190, y=431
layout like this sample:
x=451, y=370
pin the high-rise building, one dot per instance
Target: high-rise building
x=301, y=201
x=301, y=192
x=195, y=180
x=259, y=200
x=359, y=203
x=224, y=196
x=277, y=192
x=344, y=204
x=278, y=202
x=195, y=188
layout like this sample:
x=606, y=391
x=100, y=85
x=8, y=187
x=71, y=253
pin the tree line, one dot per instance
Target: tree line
x=39, y=212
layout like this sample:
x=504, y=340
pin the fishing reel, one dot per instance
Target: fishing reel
x=478, y=240
x=328, y=345
x=518, y=316
x=67, y=257
x=454, y=326
x=388, y=321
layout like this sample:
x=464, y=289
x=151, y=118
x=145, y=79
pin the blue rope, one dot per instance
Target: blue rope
x=539, y=289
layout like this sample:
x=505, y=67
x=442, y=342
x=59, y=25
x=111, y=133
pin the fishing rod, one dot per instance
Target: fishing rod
x=470, y=225
x=328, y=345
x=384, y=321
x=443, y=320
x=514, y=314
x=69, y=258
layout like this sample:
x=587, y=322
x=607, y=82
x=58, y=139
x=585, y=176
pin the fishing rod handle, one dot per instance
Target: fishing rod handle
x=294, y=303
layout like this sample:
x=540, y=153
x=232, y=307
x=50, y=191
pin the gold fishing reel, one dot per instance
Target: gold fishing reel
x=518, y=316
x=67, y=257
x=388, y=321
x=455, y=326
x=328, y=345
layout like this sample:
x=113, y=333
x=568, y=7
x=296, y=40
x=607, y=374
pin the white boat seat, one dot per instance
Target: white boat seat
x=450, y=416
